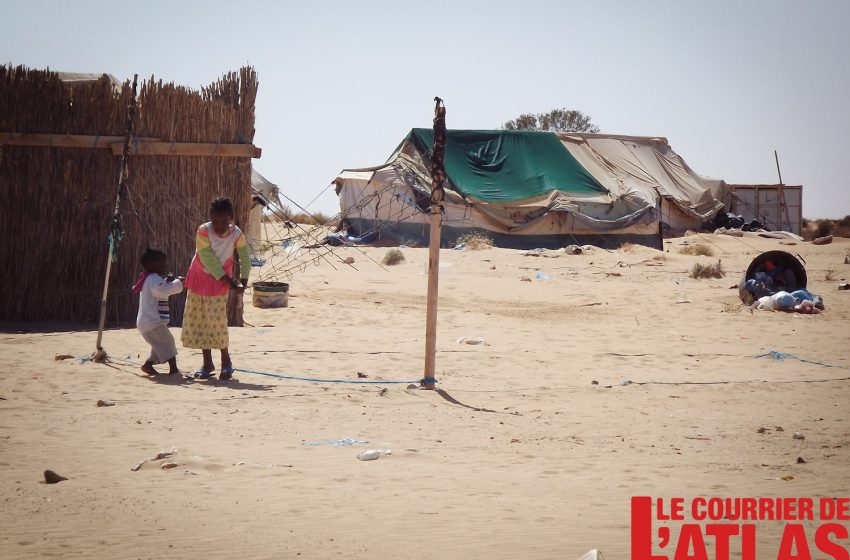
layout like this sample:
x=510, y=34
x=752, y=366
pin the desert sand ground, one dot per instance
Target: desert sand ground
x=530, y=459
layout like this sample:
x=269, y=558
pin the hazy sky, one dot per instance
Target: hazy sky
x=342, y=82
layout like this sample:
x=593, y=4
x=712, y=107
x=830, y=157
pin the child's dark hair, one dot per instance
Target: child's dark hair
x=152, y=255
x=221, y=205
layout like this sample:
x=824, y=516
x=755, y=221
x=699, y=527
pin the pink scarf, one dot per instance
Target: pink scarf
x=137, y=287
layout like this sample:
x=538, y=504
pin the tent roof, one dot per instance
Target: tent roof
x=507, y=165
x=263, y=186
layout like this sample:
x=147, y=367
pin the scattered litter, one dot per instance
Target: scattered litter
x=103, y=402
x=572, y=250
x=361, y=375
x=60, y=357
x=471, y=340
x=779, y=429
x=625, y=382
x=159, y=456
x=166, y=466
x=801, y=461
x=349, y=260
x=515, y=440
x=826, y=240
x=844, y=286
x=50, y=477
x=373, y=454
x=730, y=231
x=383, y=392
x=460, y=247
x=257, y=262
x=783, y=355
x=541, y=276
x=525, y=279
x=593, y=554
x=798, y=435
x=682, y=298
x=344, y=442
x=762, y=430
x=594, y=382
x=787, y=477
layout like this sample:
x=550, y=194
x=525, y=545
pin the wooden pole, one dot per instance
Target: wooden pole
x=782, y=205
x=115, y=228
x=438, y=175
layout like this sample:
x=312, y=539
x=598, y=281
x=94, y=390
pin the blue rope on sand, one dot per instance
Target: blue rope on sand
x=776, y=355
x=314, y=380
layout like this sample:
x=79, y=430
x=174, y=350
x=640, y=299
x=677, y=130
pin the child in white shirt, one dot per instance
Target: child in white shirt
x=154, y=287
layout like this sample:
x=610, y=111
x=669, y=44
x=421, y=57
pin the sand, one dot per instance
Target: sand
x=532, y=450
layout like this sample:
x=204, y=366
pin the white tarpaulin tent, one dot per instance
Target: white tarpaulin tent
x=534, y=189
x=264, y=193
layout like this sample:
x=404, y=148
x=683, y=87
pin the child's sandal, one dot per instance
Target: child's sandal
x=202, y=374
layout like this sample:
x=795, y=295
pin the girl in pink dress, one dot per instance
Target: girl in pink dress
x=209, y=280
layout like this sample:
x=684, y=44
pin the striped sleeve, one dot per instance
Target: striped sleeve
x=206, y=255
x=244, y=253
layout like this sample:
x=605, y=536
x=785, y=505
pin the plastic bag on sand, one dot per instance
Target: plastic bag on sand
x=592, y=555
x=373, y=454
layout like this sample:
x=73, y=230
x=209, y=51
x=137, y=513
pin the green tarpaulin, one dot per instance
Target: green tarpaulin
x=506, y=165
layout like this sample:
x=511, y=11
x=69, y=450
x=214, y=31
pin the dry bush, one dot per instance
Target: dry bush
x=698, y=250
x=627, y=247
x=732, y=308
x=475, y=241
x=707, y=270
x=812, y=229
x=661, y=257
x=393, y=256
x=830, y=275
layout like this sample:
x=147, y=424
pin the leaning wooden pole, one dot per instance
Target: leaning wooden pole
x=438, y=177
x=115, y=226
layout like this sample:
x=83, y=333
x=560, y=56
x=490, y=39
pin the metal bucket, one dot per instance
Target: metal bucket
x=268, y=295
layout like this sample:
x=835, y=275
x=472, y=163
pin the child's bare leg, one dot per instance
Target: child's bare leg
x=148, y=368
x=208, y=363
x=172, y=366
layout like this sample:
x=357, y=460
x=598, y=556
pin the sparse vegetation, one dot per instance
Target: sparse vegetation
x=393, y=256
x=830, y=275
x=732, y=308
x=812, y=229
x=661, y=257
x=475, y=241
x=698, y=249
x=627, y=247
x=707, y=270
x=285, y=213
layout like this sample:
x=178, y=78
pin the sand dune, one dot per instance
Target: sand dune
x=520, y=456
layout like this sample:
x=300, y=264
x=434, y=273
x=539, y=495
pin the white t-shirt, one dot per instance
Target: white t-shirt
x=153, y=301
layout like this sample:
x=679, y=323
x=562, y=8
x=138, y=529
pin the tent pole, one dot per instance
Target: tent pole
x=438, y=175
x=431, y=314
x=115, y=227
x=105, y=293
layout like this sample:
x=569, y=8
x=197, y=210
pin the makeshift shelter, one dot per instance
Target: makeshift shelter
x=533, y=189
x=263, y=192
x=778, y=207
x=59, y=167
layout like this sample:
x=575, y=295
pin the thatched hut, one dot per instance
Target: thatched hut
x=59, y=167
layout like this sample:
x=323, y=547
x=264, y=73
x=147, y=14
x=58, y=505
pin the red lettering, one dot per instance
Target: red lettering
x=691, y=537
x=721, y=534
x=843, y=507
x=827, y=546
x=794, y=538
x=748, y=542
x=789, y=509
x=677, y=509
x=827, y=509
x=698, y=509
x=748, y=509
x=807, y=507
x=642, y=529
x=765, y=509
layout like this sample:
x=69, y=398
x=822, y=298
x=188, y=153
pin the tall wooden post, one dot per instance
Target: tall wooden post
x=115, y=226
x=438, y=177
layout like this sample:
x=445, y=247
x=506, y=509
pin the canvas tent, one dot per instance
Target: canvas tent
x=264, y=192
x=534, y=189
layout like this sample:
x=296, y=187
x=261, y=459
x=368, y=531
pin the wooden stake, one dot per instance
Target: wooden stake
x=433, y=285
x=438, y=177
